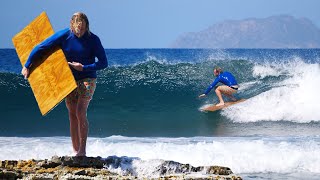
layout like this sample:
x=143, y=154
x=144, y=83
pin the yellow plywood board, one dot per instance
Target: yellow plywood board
x=51, y=79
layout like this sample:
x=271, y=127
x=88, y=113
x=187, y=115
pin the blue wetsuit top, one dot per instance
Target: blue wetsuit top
x=225, y=78
x=82, y=50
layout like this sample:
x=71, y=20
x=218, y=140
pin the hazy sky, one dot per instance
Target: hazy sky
x=146, y=23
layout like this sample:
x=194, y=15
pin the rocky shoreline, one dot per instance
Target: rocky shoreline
x=112, y=167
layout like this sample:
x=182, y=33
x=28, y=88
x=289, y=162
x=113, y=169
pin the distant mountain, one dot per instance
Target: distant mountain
x=281, y=31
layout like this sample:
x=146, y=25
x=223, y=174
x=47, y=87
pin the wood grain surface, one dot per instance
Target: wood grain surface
x=51, y=79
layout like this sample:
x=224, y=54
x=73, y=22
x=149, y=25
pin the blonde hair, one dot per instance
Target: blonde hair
x=217, y=69
x=82, y=17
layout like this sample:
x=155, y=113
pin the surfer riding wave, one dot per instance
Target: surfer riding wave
x=228, y=89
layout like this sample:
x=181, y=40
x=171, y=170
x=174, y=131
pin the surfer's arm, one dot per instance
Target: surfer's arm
x=100, y=54
x=44, y=47
x=213, y=84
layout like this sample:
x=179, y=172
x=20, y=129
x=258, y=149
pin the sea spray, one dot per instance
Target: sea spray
x=293, y=98
x=241, y=154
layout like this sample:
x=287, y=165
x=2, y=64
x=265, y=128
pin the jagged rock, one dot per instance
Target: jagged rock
x=80, y=172
x=116, y=162
x=5, y=174
x=219, y=170
x=172, y=167
x=82, y=162
x=67, y=167
x=9, y=164
x=48, y=164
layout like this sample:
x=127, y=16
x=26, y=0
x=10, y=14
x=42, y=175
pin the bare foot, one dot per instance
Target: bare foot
x=81, y=154
x=220, y=104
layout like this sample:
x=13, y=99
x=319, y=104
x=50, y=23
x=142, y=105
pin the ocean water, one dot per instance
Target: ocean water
x=146, y=108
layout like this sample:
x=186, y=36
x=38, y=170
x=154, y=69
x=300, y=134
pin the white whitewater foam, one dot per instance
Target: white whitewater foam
x=241, y=154
x=266, y=70
x=294, y=99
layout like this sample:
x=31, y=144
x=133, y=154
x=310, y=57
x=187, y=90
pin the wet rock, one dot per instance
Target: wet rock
x=112, y=167
x=7, y=174
x=86, y=162
x=219, y=170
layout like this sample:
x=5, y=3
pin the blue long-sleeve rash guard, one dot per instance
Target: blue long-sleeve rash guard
x=83, y=50
x=225, y=78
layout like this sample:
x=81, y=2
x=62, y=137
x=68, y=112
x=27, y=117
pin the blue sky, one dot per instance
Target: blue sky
x=146, y=23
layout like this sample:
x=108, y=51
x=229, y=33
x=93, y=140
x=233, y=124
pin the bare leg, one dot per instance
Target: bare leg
x=73, y=126
x=218, y=92
x=227, y=91
x=77, y=104
x=83, y=124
